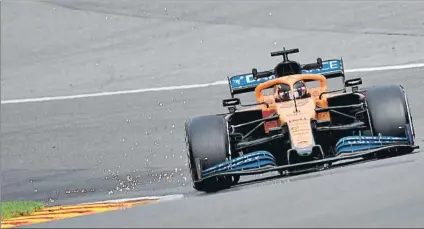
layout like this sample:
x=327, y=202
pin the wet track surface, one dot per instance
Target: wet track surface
x=110, y=147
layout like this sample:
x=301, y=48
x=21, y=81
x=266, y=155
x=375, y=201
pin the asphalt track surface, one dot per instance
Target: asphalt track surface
x=110, y=147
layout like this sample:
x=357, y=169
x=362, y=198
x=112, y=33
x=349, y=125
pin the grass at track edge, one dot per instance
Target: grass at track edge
x=11, y=209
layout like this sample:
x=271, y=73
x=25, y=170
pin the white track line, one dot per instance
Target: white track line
x=182, y=87
x=169, y=88
x=386, y=68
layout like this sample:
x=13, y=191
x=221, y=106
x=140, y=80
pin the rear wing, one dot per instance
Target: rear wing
x=239, y=84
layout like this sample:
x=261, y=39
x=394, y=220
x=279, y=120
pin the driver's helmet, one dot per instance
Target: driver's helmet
x=299, y=89
x=283, y=92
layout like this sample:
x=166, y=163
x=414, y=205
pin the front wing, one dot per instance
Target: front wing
x=350, y=147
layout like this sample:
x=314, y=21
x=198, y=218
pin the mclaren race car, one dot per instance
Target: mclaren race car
x=296, y=127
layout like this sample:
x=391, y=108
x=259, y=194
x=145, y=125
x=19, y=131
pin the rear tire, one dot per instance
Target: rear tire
x=207, y=138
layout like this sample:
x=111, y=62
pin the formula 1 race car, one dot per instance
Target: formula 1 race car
x=295, y=127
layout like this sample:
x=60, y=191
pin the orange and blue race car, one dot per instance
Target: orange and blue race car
x=294, y=127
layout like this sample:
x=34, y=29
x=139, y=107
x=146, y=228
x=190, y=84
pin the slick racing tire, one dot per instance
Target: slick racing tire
x=389, y=111
x=207, y=139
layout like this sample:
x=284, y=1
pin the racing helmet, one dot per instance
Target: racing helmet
x=300, y=90
x=283, y=92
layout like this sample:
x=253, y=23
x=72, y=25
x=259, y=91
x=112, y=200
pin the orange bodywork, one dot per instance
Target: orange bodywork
x=298, y=120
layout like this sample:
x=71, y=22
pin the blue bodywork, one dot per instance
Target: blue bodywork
x=247, y=81
x=252, y=160
x=349, y=144
x=352, y=144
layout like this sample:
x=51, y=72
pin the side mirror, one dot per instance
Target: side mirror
x=231, y=102
x=353, y=82
x=259, y=75
x=319, y=62
x=317, y=65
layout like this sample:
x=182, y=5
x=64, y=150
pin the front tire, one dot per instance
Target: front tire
x=389, y=111
x=207, y=139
